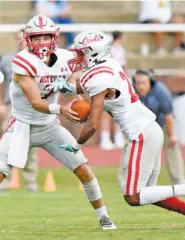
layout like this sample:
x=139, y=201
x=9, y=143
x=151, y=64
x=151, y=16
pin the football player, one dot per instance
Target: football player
x=34, y=108
x=110, y=90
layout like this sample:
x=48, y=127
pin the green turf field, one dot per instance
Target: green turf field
x=67, y=214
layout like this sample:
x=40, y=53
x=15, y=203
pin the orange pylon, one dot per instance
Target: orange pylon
x=49, y=184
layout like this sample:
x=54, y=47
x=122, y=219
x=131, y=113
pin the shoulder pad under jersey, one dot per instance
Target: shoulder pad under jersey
x=25, y=63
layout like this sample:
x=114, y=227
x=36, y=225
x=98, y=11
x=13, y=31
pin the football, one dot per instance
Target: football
x=82, y=107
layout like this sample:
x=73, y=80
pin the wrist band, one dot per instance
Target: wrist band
x=54, y=108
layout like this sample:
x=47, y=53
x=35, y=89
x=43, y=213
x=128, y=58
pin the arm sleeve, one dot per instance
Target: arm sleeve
x=165, y=99
x=99, y=83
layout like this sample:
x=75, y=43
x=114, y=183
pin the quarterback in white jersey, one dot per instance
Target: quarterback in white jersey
x=28, y=64
x=109, y=88
x=34, y=110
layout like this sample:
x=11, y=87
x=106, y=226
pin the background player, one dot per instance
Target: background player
x=34, y=122
x=109, y=89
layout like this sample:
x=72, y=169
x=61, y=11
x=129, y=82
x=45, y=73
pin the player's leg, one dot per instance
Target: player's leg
x=136, y=191
x=173, y=203
x=140, y=159
x=30, y=171
x=3, y=126
x=4, y=148
x=120, y=171
x=139, y=165
x=94, y=195
x=78, y=164
x=135, y=171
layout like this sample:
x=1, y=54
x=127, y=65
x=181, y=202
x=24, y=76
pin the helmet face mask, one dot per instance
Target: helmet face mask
x=91, y=48
x=40, y=26
x=41, y=49
x=79, y=62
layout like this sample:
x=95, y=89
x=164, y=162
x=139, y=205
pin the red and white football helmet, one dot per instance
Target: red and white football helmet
x=40, y=25
x=91, y=47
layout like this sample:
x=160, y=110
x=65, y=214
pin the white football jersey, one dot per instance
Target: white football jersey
x=126, y=109
x=28, y=64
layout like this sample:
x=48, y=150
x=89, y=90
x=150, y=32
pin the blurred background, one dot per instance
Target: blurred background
x=147, y=35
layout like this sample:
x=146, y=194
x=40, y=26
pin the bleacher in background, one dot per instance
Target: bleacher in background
x=103, y=12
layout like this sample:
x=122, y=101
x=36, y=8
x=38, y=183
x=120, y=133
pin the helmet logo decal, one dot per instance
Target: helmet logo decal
x=88, y=40
x=40, y=22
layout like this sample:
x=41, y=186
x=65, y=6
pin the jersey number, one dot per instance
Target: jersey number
x=51, y=92
x=133, y=95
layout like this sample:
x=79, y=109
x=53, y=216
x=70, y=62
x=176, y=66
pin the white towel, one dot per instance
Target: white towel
x=19, y=145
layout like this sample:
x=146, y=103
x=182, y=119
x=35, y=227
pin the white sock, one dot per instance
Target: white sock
x=119, y=139
x=155, y=194
x=179, y=190
x=101, y=212
x=105, y=136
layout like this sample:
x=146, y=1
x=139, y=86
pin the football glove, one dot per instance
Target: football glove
x=68, y=147
x=60, y=85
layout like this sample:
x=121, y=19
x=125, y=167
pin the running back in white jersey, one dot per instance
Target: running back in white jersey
x=127, y=110
x=28, y=64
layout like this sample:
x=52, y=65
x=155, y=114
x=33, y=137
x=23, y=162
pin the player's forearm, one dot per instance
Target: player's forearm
x=43, y=106
x=169, y=125
x=94, y=117
x=40, y=105
x=87, y=132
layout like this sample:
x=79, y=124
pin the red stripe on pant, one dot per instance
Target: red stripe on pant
x=130, y=167
x=138, y=159
x=10, y=123
x=137, y=165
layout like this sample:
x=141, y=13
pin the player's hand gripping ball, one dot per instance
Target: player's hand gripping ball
x=82, y=107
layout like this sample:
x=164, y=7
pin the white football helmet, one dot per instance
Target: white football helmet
x=91, y=47
x=40, y=25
